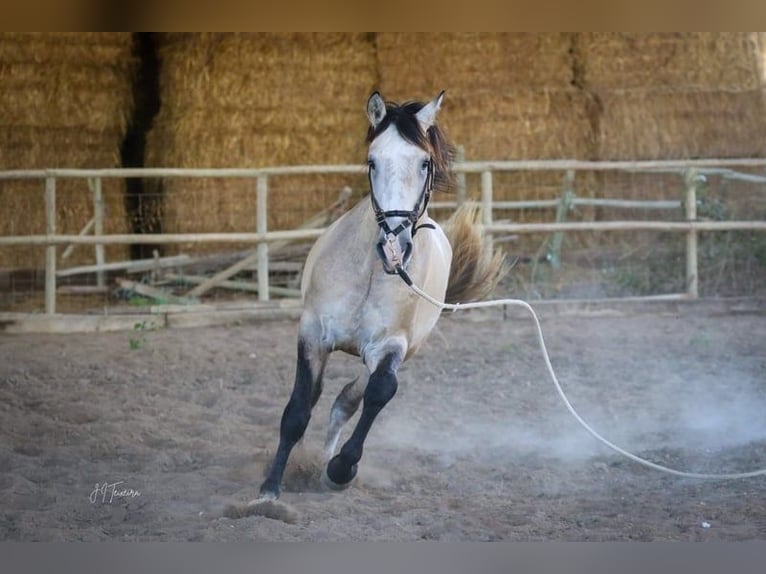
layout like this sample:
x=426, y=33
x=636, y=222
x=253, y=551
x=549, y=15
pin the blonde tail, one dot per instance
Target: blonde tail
x=476, y=269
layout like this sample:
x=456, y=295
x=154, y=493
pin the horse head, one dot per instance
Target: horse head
x=408, y=158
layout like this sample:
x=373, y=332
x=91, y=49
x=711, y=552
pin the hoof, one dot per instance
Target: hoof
x=266, y=494
x=264, y=497
x=337, y=476
x=329, y=484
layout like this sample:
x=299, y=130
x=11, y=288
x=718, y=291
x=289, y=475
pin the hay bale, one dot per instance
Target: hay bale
x=241, y=100
x=255, y=100
x=675, y=124
x=417, y=64
x=522, y=124
x=65, y=103
x=670, y=96
x=683, y=60
x=65, y=96
x=676, y=95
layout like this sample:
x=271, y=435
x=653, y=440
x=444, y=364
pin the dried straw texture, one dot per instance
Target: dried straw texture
x=670, y=96
x=508, y=95
x=684, y=60
x=676, y=95
x=255, y=100
x=670, y=124
x=418, y=65
x=65, y=103
x=522, y=124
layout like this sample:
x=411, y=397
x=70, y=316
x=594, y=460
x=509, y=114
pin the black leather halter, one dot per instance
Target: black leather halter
x=411, y=217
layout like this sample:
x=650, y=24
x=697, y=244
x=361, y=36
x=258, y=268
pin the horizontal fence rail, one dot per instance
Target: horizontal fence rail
x=674, y=166
x=123, y=238
x=688, y=226
x=692, y=172
x=575, y=202
x=289, y=235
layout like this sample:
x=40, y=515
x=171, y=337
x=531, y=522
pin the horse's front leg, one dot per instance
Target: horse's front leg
x=295, y=418
x=381, y=388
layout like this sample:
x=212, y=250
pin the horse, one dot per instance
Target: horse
x=355, y=283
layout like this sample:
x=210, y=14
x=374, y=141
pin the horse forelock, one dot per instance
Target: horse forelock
x=404, y=118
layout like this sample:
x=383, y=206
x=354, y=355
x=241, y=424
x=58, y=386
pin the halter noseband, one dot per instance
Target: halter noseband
x=411, y=217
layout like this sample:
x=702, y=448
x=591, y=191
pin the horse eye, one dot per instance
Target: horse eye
x=371, y=164
x=426, y=164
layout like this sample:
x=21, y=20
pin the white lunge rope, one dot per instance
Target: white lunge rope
x=570, y=408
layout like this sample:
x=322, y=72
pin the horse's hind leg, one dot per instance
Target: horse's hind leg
x=345, y=405
x=380, y=389
x=295, y=418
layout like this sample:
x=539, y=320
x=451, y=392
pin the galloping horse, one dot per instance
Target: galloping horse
x=353, y=293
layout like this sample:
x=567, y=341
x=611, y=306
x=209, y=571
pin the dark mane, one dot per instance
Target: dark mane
x=433, y=140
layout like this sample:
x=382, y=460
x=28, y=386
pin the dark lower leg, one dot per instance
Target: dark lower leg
x=380, y=390
x=295, y=417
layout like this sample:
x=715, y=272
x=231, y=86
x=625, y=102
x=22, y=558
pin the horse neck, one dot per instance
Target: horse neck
x=358, y=230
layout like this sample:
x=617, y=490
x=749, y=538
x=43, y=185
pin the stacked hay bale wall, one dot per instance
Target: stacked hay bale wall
x=65, y=102
x=672, y=96
x=234, y=100
x=676, y=95
x=258, y=100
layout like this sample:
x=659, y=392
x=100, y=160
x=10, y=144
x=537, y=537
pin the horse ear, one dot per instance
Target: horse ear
x=427, y=114
x=376, y=109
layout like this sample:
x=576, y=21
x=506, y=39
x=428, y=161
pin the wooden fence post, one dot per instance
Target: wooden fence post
x=98, y=226
x=50, y=250
x=692, y=278
x=565, y=204
x=262, y=227
x=460, y=179
x=486, y=205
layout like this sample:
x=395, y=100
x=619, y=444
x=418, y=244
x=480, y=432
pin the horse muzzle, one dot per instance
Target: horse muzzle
x=395, y=251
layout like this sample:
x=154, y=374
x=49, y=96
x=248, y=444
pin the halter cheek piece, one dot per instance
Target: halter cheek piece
x=411, y=217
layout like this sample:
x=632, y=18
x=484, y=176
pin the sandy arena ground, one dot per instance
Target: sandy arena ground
x=179, y=424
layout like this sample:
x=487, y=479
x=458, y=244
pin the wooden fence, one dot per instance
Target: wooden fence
x=691, y=171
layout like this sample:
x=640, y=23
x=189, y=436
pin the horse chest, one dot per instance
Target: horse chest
x=354, y=319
